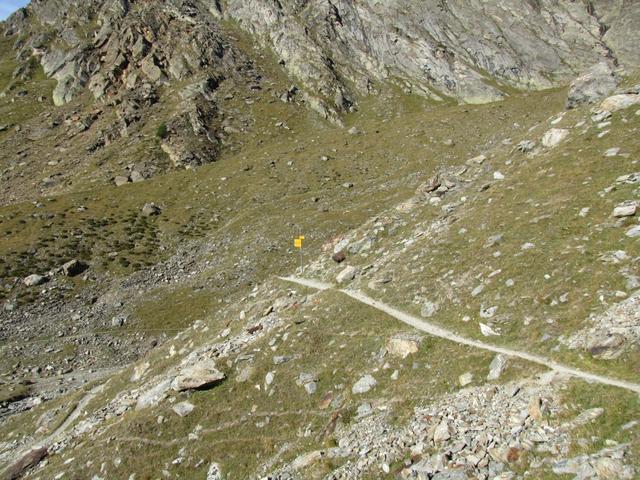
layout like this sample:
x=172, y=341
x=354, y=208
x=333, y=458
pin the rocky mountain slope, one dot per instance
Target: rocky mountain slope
x=466, y=301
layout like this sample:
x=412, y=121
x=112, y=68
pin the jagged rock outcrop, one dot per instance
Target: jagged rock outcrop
x=125, y=53
x=128, y=54
x=439, y=49
x=593, y=85
x=336, y=49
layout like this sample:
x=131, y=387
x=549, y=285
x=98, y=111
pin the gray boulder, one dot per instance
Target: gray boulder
x=498, y=364
x=120, y=180
x=73, y=267
x=200, y=375
x=346, y=275
x=151, y=209
x=363, y=385
x=214, y=472
x=592, y=86
x=183, y=408
x=35, y=280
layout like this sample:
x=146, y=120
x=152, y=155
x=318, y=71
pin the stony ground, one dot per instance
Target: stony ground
x=147, y=226
x=314, y=385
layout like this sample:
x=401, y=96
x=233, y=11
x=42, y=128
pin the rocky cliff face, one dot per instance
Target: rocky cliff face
x=124, y=53
x=128, y=53
x=337, y=50
x=436, y=48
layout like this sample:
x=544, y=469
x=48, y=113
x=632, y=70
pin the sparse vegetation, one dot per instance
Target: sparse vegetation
x=181, y=265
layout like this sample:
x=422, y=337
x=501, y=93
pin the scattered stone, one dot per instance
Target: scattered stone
x=429, y=309
x=606, y=346
x=119, y=320
x=339, y=257
x=613, y=469
x=488, y=312
x=612, y=152
x=619, y=102
x=136, y=177
x=183, y=408
x=73, y=268
x=363, y=385
x=498, y=176
x=624, y=211
x=465, y=379
x=431, y=185
x=280, y=359
x=477, y=291
x=487, y=331
x=151, y=209
x=497, y=366
x=554, y=136
x=442, y=432
x=600, y=116
x=347, y=274
x=611, y=332
x=28, y=461
x=633, y=232
x=120, y=180
x=268, y=379
x=605, y=465
x=151, y=69
x=450, y=474
x=403, y=345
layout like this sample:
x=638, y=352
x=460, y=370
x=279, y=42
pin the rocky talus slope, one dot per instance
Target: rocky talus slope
x=465, y=175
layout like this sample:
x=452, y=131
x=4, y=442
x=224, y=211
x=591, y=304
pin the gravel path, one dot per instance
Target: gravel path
x=437, y=331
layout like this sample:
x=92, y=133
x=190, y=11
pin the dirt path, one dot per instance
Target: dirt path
x=437, y=331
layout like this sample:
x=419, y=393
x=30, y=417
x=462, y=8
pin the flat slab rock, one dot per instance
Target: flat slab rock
x=200, y=375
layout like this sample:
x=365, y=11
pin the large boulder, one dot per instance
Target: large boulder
x=592, y=86
x=35, y=280
x=200, y=375
x=619, y=102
